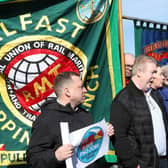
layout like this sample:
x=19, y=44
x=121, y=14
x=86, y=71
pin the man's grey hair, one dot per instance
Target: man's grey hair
x=165, y=70
x=140, y=63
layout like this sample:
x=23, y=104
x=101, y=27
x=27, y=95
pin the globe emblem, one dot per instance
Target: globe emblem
x=27, y=69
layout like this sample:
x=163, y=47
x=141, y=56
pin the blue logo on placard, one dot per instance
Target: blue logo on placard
x=91, y=143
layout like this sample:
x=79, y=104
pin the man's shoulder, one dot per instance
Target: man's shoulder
x=50, y=103
x=129, y=92
x=124, y=93
x=126, y=97
x=81, y=109
x=164, y=91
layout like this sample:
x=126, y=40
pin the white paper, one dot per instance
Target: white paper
x=90, y=143
x=66, y=140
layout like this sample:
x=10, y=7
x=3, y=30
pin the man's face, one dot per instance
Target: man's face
x=165, y=80
x=158, y=80
x=129, y=62
x=77, y=91
x=147, y=75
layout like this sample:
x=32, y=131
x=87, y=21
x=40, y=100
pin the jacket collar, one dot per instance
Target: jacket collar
x=131, y=85
x=65, y=108
x=53, y=105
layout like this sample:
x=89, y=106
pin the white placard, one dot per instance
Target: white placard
x=66, y=140
x=90, y=143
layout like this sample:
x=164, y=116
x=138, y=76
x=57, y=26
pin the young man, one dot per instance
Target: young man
x=139, y=120
x=45, y=149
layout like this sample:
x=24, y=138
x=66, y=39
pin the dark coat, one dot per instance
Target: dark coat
x=46, y=135
x=164, y=93
x=134, y=136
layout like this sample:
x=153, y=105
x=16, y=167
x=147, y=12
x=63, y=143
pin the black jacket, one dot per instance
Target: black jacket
x=46, y=135
x=134, y=136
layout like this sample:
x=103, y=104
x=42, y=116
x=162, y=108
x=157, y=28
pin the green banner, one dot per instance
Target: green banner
x=138, y=33
x=2, y=2
x=40, y=39
x=6, y=1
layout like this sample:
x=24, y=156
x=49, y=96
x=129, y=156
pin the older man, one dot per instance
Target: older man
x=159, y=79
x=139, y=120
x=129, y=62
x=164, y=90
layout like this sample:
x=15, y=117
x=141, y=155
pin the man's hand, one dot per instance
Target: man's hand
x=64, y=152
x=110, y=129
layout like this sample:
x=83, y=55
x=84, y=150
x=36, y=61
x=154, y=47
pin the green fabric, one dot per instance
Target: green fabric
x=138, y=34
x=6, y=0
x=60, y=32
x=11, y=1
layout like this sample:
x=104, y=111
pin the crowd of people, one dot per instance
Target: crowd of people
x=139, y=118
x=138, y=124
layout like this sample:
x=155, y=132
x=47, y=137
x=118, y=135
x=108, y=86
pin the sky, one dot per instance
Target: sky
x=155, y=10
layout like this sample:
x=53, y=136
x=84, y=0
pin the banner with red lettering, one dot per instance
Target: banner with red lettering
x=38, y=40
x=152, y=39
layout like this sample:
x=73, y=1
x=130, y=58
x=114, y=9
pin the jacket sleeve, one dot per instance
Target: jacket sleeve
x=42, y=146
x=121, y=119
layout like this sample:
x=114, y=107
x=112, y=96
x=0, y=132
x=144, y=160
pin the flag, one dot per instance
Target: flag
x=11, y=1
x=152, y=39
x=40, y=39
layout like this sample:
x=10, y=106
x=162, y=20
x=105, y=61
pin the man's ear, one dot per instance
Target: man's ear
x=139, y=73
x=67, y=92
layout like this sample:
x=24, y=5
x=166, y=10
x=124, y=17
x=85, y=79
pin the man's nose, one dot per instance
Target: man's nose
x=84, y=89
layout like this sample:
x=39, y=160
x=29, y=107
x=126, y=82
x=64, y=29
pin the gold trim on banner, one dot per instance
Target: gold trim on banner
x=109, y=54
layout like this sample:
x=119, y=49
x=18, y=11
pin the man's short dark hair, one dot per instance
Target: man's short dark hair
x=62, y=79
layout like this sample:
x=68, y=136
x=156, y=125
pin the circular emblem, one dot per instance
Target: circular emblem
x=90, y=146
x=91, y=11
x=30, y=67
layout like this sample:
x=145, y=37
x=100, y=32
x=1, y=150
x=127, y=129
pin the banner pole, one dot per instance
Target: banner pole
x=121, y=42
